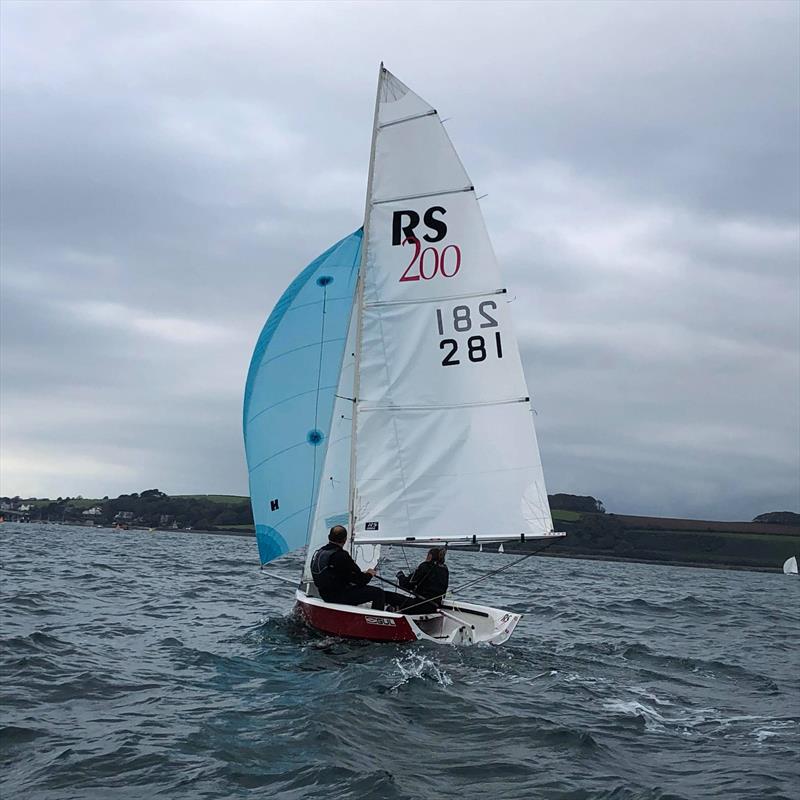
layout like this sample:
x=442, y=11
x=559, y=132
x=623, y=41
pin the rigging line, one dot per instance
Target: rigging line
x=486, y=575
x=505, y=566
x=410, y=591
x=405, y=557
x=316, y=407
x=358, y=306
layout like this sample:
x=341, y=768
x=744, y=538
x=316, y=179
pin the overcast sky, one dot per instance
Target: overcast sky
x=167, y=168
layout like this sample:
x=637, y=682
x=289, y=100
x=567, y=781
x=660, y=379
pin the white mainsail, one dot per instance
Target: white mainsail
x=444, y=446
x=790, y=566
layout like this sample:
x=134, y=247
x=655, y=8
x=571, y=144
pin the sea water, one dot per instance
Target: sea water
x=138, y=665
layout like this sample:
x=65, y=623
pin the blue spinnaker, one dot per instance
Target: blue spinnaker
x=288, y=399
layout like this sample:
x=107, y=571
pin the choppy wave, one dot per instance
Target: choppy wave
x=166, y=665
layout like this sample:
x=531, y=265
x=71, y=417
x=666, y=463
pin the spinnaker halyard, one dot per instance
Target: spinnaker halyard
x=386, y=392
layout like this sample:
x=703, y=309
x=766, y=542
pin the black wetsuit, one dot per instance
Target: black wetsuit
x=339, y=579
x=430, y=580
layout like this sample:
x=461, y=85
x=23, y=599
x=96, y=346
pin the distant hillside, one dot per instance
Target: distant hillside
x=779, y=518
x=150, y=508
x=764, y=543
x=707, y=526
x=690, y=542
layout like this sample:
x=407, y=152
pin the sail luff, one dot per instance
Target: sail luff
x=358, y=305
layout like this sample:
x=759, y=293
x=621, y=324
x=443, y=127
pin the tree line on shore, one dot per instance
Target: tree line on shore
x=592, y=532
x=154, y=508
x=151, y=508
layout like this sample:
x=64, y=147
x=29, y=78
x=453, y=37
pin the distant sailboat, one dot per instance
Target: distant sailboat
x=790, y=566
x=386, y=391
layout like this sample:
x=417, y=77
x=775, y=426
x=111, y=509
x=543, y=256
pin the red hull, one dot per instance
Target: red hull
x=358, y=623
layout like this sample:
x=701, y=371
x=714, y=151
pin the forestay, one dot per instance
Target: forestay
x=445, y=445
x=289, y=396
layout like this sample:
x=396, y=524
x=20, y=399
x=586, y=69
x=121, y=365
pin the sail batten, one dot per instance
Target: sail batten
x=408, y=119
x=433, y=406
x=379, y=304
x=423, y=196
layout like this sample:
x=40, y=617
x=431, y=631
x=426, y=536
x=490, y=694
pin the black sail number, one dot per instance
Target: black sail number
x=462, y=317
x=460, y=320
x=491, y=322
x=448, y=360
x=476, y=349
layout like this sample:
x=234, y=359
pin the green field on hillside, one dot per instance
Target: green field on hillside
x=566, y=516
x=215, y=498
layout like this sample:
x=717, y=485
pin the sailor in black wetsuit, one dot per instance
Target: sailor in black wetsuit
x=430, y=580
x=338, y=577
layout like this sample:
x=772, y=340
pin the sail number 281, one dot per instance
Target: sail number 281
x=478, y=346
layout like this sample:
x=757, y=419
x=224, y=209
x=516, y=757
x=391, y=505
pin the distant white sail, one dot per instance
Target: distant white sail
x=445, y=447
x=790, y=566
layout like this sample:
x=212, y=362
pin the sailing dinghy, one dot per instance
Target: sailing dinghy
x=386, y=391
x=790, y=566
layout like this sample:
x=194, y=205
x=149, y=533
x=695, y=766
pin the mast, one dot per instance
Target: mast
x=359, y=301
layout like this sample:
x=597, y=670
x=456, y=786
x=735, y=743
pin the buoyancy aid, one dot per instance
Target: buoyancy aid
x=322, y=573
x=430, y=580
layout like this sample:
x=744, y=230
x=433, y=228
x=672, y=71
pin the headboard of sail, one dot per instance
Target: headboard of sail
x=289, y=395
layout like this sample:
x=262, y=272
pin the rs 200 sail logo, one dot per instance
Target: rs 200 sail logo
x=431, y=261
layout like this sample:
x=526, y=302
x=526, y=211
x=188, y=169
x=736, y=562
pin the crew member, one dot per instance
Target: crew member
x=430, y=580
x=338, y=577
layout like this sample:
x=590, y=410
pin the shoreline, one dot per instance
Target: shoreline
x=508, y=551
x=515, y=551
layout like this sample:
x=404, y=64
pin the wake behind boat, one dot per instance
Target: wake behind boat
x=386, y=391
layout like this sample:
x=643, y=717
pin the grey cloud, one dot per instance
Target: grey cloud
x=168, y=168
